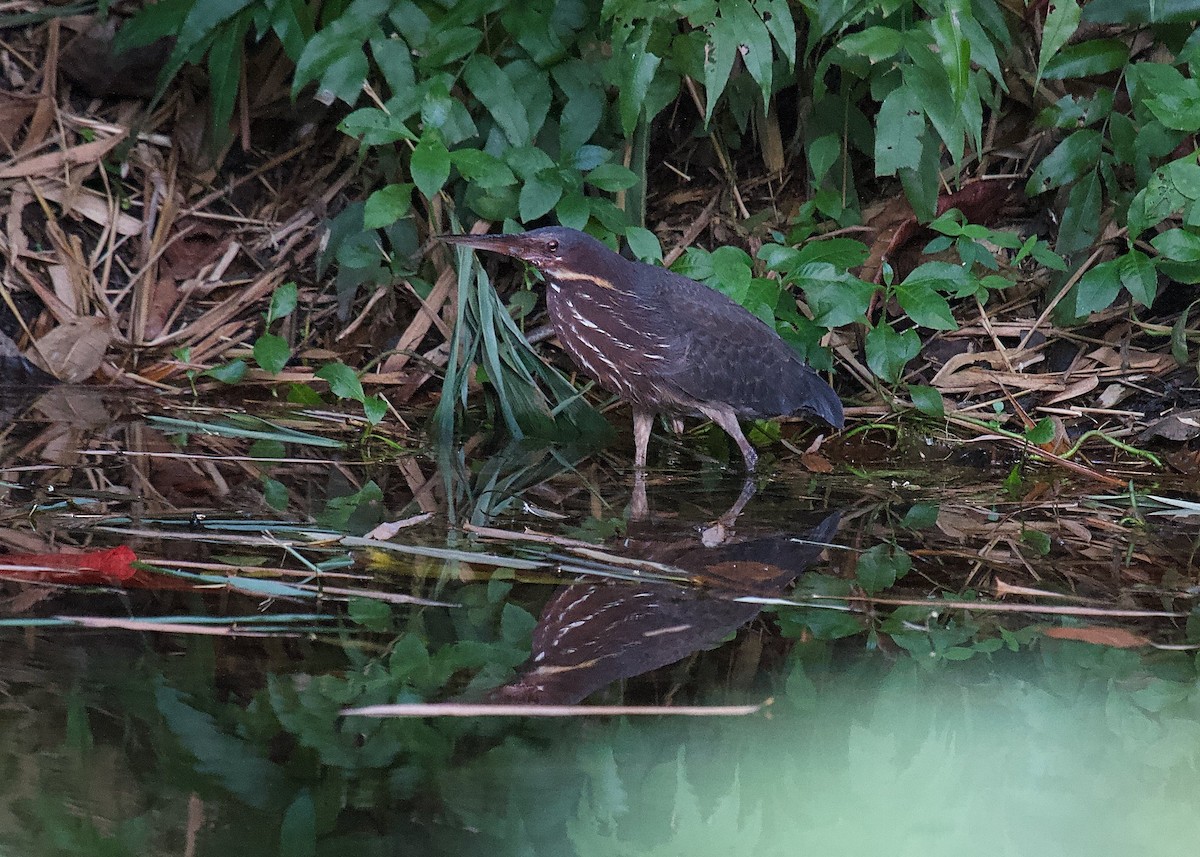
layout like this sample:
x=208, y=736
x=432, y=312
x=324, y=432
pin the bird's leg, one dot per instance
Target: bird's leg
x=643, y=421
x=722, y=528
x=639, y=506
x=728, y=421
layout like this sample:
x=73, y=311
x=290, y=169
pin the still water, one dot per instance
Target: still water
x=921, y=652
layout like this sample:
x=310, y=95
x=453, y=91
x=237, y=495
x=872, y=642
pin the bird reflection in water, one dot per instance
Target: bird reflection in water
x=594, y=633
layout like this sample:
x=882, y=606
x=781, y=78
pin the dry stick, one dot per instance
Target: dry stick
x=459, y=709
x=1062, y=293
x=730, y=175
x=692, y=232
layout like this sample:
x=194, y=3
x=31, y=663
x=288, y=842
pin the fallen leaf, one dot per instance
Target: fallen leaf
x=72, y=352
x=1099, y=635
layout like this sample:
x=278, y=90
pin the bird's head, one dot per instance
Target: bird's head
x=551, y=249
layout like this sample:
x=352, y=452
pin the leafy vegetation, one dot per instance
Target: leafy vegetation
x=515, y=112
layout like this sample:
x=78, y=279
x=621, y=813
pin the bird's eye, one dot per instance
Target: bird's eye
x=552, y=246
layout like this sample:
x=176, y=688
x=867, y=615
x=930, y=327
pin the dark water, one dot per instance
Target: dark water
x=916, y=727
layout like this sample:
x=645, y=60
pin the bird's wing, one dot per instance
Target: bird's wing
x=722, y=353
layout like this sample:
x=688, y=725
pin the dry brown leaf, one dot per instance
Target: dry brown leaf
x=1075, y=389
x=90, y=205
x=52, y=164
x=1099, y=635
x=72, y=352
x=816, y=463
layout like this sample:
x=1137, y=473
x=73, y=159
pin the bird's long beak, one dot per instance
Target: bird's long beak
x=509, y=245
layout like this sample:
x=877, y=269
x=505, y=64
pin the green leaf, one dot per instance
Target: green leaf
x=638, y=67
x=370, y=613
x=496, y=92
x=927, y=400
x=275, y=494
x=919, y=293
x=1086, y=59
x=375, y=127
x=823, y=153
x=644, y=244
x=1178, y=108
x=298, y=827
x=283, y=302
x=612, y=177
x=1096, y=290
x=754, y=43
x=447, y=45
x=343, y=381
x=898, y=130
x=482, y=169
x=1060, y=25
x=272, y=353
x=920, y=516
x=430, y=164
x=888, y=352
x=777, y=16
x=229, y=373
x=1138, y=276
x=374, y=409
x=394, y=59
x=1177, y=245
x=718, y=62
x=880, y=567
x=1037, y=540
x=1081, y=217
x=539, y=194
x=834, y=298
x=1042, y=432
x=1072, y=158
x=573, y=210
x=224, y=69
x=387, y=205
x=875, y=43
x=955, y=53
x=584, y=110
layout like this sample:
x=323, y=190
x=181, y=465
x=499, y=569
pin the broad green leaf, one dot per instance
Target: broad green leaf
x=298, y=827
x=387, y=205
x=754, y=43
x=718, y=62
x=283, y=302
x=272, y=353
x=394, y=59
x=374, y=409
x=540, y=193
x=898, y=131
x=823, y=153
x=573, y=210
x=924, y=305
x=880, y=567
x=496, y=93
x=1072, y=158
x=1177, y=245
x=374, y=127
x=1086, y=59
x=777, y=16
x=644, y=244
x=1041, y=432
x=888, y=352
x=430, y=164
x=612, y=177
x=584, y=109
x=927, y=400
x=1081, y=218
x=444, y=46
x=1178, y=108
x=920, y=516
x=1060, y=25
x=1096, y=290
x=275, y=494
x=1138, y=276
x=875, y=43
x=482, y=169
x=343, y=381
x=835, y=298
x=228, y=373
